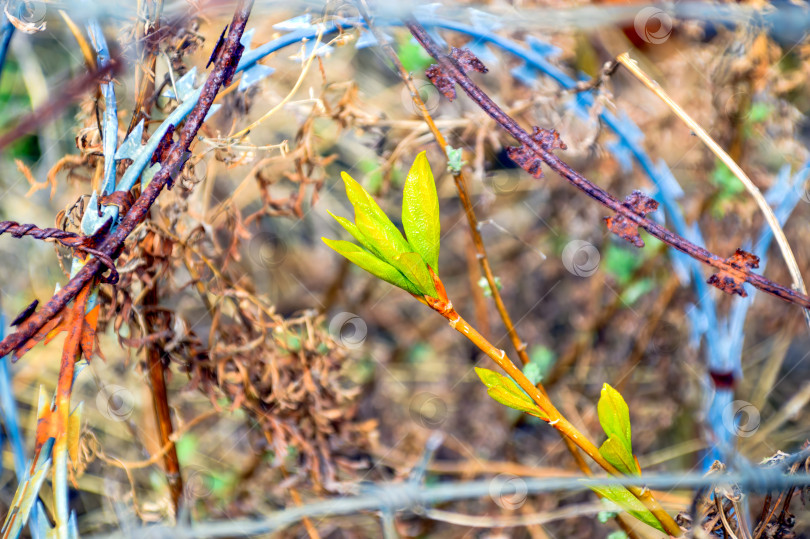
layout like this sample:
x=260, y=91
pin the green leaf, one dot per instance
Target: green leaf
x=372, y=222
x=614, y=416
x=622, y=497
x=415, y=270
x=372, y=264
x=420, y=212
x=352, y=229
x=615, y=453
x=507, y=392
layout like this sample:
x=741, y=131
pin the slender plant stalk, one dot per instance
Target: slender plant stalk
x=478, y=243
x=160, y=400
x=556, y=419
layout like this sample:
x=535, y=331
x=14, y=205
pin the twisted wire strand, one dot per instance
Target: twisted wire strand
x=68, y=239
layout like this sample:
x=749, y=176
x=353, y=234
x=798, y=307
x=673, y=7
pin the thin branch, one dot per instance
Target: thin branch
x=160, y=397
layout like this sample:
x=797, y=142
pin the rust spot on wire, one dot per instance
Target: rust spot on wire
x=468, y=61
x=445, y=82
x=527, y=159
x=731, y=280
x=164, y=146
x=619, y=224
x=442, y=82
x=231, y=62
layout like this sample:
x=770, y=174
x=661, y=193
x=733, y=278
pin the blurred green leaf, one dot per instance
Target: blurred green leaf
x=372, y=264
x=625, y=499
x=723, y=178
x=543, y=357
x=729, y=187
x=507, y=392
x=413, y=56
x=420, y=212
x=759, y=112
x=621, y=262
x=372, y=174
x=604, y=516
x=534, y=372
x=186, y=448
x=614, y=416
x=420, y=352
x=293, y=343
x=221, y=483
x=636, y=290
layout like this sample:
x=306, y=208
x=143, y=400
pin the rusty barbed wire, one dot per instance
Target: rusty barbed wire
x=450, y=69
x=178, y=155
x=72, y=240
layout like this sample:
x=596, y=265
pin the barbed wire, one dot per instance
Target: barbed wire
x=408, y=496
x=540, y=18
x=68, y=239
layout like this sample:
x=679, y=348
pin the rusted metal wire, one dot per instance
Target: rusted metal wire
x=75, y=241
x=113, y=243
x=450, y=69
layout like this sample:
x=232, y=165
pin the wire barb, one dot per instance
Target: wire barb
x=528, y=160
x=465, y=60
x=641, y=205
x=731, y=280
